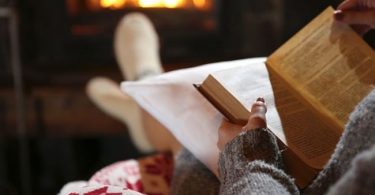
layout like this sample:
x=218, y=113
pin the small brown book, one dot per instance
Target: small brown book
x=317, y=78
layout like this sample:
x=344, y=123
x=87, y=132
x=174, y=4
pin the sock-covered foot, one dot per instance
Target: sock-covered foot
x=136, y=47
x=106, y=94
x=137, y=53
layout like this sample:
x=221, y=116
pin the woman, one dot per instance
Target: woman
x=256, y=168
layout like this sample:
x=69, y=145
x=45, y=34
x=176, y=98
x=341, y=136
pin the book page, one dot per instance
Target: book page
x=329, y=66
x=304, y=132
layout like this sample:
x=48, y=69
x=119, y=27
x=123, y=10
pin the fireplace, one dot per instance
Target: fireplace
x=80, y=32
x=93, y=18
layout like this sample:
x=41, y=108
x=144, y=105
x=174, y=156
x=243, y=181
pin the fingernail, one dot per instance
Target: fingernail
x=260, y=99
x=339, y=15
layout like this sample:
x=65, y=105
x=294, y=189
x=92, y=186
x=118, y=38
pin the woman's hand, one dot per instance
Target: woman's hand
x=360, y=14
x=227, y=131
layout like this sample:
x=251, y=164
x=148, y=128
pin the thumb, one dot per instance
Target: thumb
x=259, y=107
x=364, y=17
x=257, y=117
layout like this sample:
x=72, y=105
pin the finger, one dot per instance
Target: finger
x=365, y=17
x=259, y=107
x=261, y=99
x=257, y=117
x=255, y=121
x=348, y=4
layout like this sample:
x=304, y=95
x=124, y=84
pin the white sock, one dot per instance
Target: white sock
x=137, y=52
x=106, y=94
x=137, y=47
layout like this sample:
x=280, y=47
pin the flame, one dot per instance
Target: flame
x=199, y=3
x=117, y=4
x=161, y=3
x=112, y=3
x=173, y=3
x=150, y=3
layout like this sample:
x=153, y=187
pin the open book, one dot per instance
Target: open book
x=317, y=77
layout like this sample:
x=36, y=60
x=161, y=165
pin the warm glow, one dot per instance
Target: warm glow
x=161, y=3
x=173, y=3
x=199, y=3
x=120, y=4
x=150, y=3
x=112, y=3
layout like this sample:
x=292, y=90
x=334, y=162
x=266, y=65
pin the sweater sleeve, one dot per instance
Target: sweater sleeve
x=360, y=178
x=250, y=164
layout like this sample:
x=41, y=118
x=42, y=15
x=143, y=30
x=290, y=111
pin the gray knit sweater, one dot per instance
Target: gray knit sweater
x=251, y=164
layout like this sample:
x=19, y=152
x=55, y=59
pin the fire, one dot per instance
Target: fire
x=173, y=3
x=200, y=3
x=120, y=4
x=112, y=3
x=161, y=3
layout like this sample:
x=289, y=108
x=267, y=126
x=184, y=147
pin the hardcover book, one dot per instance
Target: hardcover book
x=317, y=77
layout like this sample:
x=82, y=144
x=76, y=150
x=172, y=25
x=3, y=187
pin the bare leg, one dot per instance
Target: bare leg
x=158, y=135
